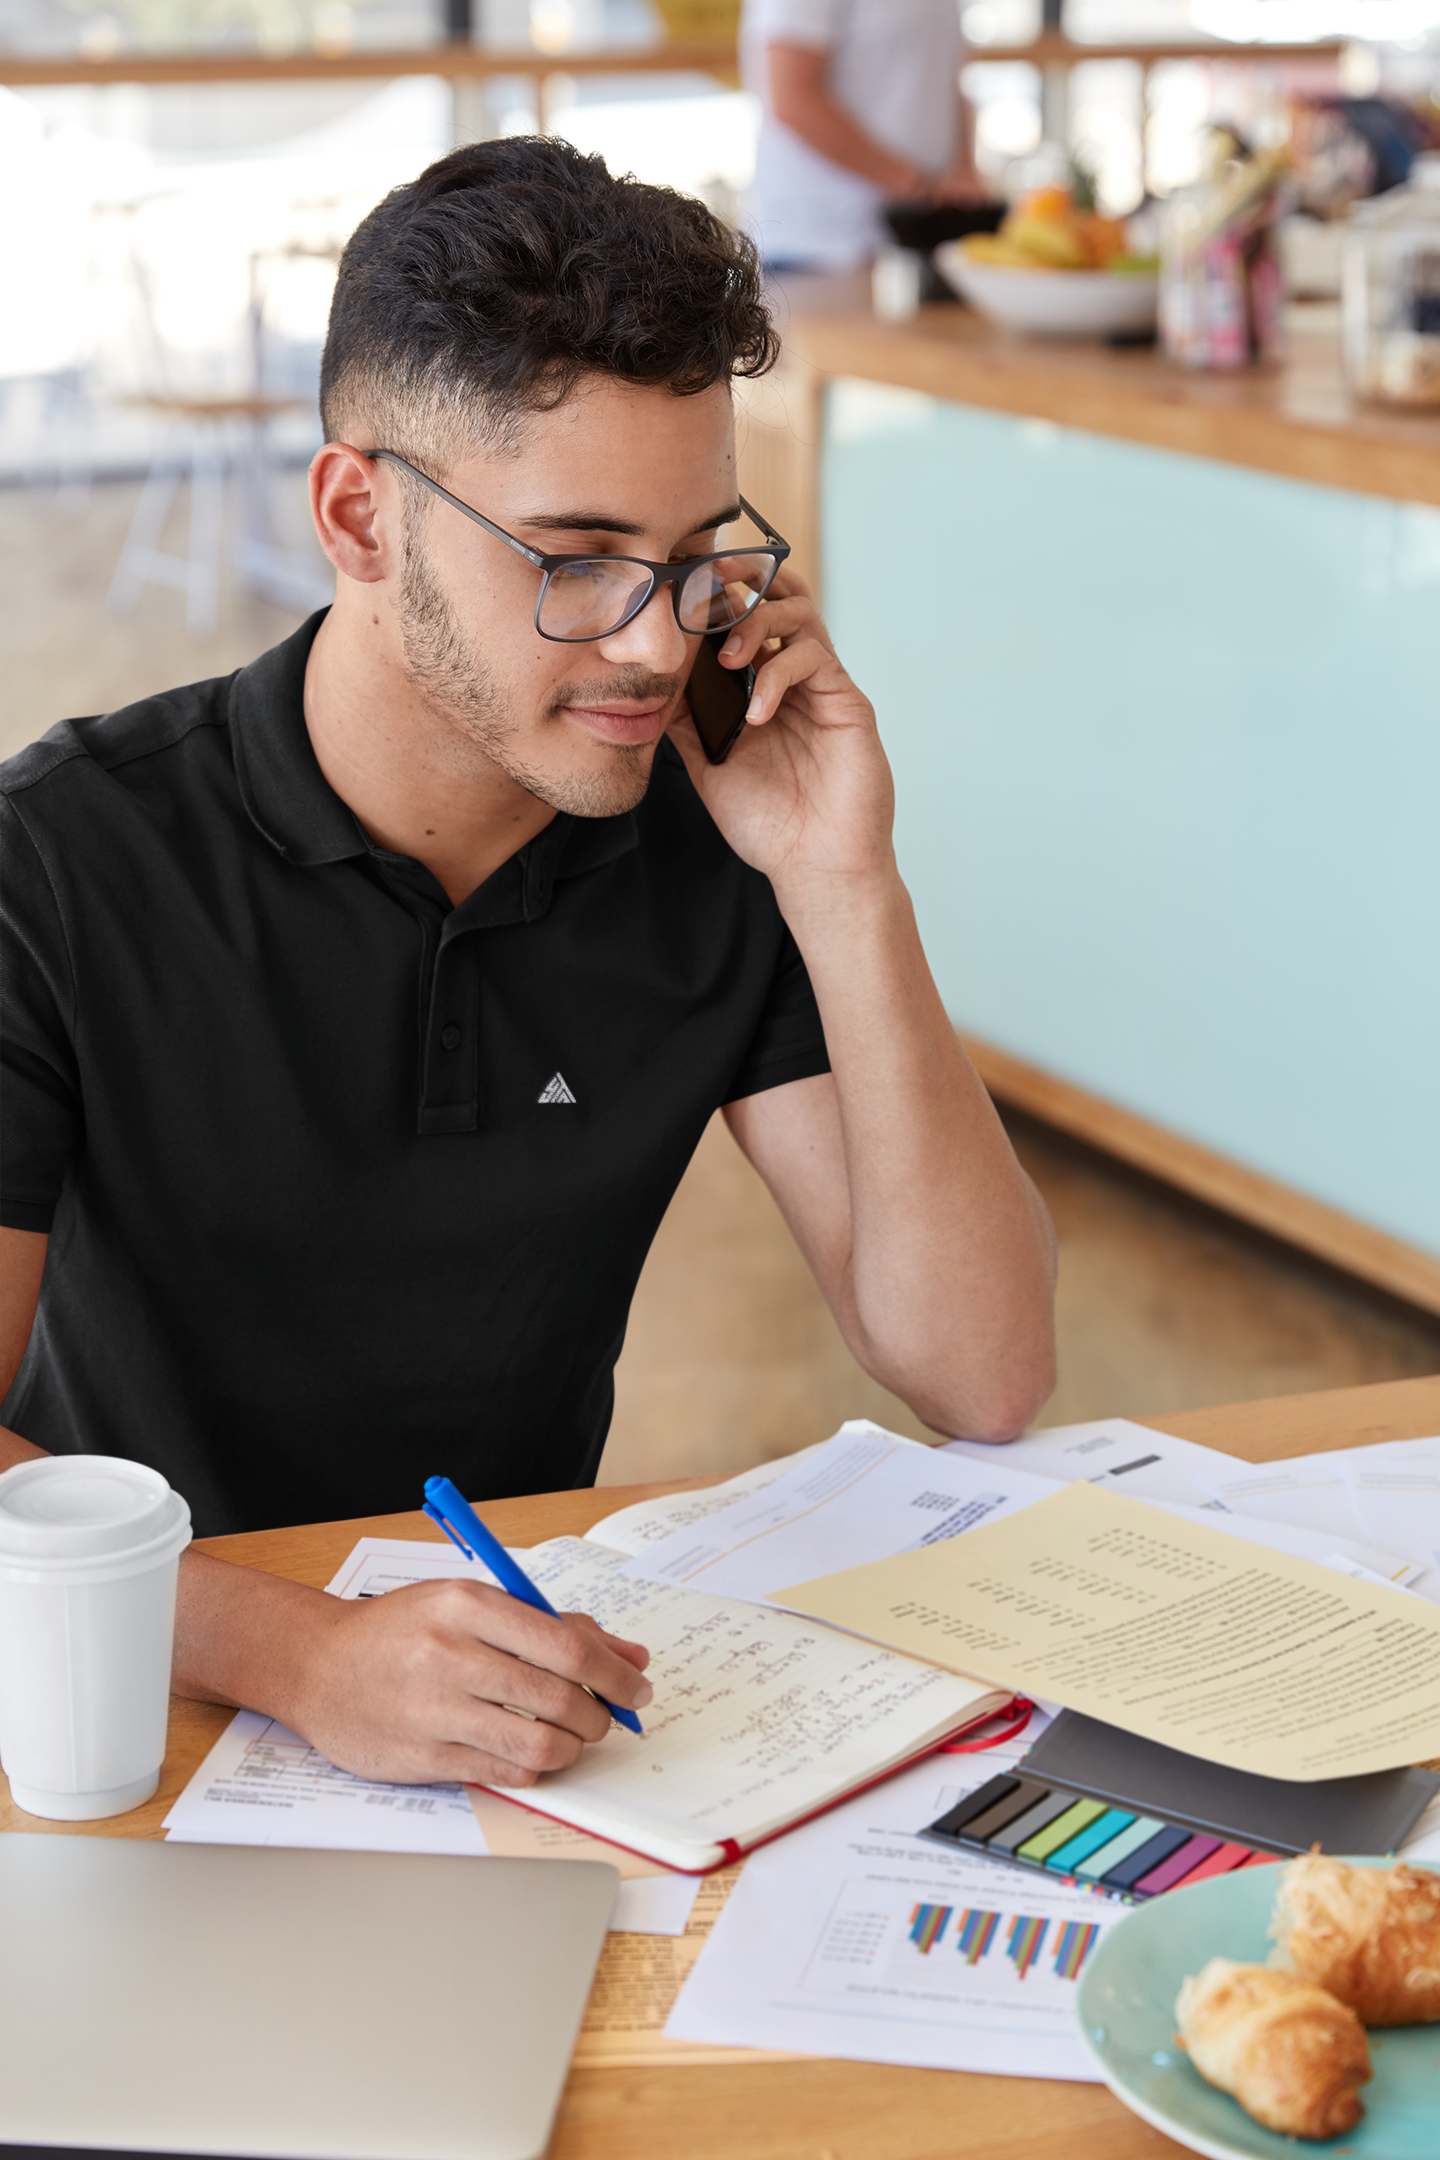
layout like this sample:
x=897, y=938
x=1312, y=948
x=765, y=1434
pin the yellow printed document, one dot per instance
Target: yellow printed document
x=1166, y=1628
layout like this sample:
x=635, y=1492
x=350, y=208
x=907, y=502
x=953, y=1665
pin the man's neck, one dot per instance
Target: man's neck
x=416, y=783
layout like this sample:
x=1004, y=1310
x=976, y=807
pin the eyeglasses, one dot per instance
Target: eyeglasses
x=583, y=597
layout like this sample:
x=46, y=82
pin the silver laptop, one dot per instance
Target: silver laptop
x=315, y=2005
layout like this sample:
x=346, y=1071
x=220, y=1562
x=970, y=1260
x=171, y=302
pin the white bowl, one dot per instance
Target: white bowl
x=1054, y=303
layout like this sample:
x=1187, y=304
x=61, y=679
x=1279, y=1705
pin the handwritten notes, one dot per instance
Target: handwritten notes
x=758, y=1717
x=1167, y=1628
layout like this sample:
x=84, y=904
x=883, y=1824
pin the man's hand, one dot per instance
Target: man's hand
x=806, y=793
x=434, y=1683
x=931, y=1246
x=963, y=183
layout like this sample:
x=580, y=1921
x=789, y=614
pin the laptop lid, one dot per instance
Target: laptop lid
x=316, y=2005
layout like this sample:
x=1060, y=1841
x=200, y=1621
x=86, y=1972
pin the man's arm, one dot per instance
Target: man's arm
x=801, y=100
x=22, y=1263
x=930, y=1244
x=963, y=180
x=419, y=1687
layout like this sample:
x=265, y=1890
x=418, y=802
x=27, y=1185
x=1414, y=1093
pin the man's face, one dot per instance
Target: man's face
x=614, y=470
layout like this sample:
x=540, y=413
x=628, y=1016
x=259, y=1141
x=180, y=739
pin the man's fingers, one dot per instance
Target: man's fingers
x=786, y=617
x=502, y=1752
x=454, y=1679
x=787, y=582
x=569, y=1645
x=634, y=1653
x=804, y=660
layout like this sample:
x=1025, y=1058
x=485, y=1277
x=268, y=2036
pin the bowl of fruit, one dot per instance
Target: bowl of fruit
x=1058, y=269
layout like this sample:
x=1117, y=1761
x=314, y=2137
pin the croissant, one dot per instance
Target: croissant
x=1290, y=2054
x=1369, y=1935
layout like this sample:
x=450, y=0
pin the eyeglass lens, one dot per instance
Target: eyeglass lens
x=591, y=598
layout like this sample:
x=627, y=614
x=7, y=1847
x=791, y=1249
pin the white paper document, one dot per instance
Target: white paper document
x=1395, y=1492
x=1309, y=1491
x=1295, y=1507
x=631, y=1529
x=854, y=1938
x=263, y=1785
x=864, y=1495
x=1347, y=1555
x=1316, y=1494
x=377, y=1565
x=1145, y=1465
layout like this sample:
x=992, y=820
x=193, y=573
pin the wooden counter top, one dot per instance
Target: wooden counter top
x=1296, y=419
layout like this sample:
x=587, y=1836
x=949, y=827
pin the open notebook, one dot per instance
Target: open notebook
x=760, y=1720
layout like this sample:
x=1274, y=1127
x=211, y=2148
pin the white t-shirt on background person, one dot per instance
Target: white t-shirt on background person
x=895, y=67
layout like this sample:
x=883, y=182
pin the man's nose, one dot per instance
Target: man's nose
x=652, y=639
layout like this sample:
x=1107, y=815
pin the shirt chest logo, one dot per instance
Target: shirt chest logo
x=555, y=1090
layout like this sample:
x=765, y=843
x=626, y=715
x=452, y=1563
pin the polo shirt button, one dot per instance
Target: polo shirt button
x=450, y=1036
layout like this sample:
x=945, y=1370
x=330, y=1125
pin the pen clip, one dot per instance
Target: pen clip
x=436, y=1517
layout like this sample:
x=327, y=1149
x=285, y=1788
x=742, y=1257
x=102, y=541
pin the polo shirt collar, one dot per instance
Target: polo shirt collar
x=281, y=784
x=294, y=806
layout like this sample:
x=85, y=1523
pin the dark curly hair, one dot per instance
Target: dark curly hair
x=487, y=288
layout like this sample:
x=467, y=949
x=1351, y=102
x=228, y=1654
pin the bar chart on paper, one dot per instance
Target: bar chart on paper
x=856, y=1937
x=879, y=1940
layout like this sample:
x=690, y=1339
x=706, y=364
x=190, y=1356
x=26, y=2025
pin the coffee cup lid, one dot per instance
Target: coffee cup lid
x=79, y=1506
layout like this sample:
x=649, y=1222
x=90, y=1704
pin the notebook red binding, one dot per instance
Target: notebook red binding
x=1012, y=1719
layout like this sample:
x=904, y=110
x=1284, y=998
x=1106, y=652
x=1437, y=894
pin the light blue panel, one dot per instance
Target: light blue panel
x=1166, y=747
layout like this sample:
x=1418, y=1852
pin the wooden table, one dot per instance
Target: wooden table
x=796, y=2111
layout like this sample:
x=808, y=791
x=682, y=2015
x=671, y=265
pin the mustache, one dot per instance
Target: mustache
x=640, y=684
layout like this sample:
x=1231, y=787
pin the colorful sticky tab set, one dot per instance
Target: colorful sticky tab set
x=1120, y=1851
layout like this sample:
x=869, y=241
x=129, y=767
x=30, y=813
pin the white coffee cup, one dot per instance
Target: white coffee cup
x=90, y=1551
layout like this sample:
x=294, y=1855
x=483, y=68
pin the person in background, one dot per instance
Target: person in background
x=860, y=105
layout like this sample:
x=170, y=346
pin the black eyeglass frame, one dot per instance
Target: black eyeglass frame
x=671, y=574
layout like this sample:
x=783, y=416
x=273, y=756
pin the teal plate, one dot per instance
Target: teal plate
x=1126, y=2008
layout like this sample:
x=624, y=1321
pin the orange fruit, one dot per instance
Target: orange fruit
x=1048, y=203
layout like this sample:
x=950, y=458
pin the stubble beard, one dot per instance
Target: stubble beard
x=481, y=726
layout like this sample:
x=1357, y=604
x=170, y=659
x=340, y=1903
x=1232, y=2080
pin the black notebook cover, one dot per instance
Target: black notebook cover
x=1360, y=1815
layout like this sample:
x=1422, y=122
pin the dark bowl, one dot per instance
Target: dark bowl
x=923, y=226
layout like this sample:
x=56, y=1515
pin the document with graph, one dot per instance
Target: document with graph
x=853, y=1938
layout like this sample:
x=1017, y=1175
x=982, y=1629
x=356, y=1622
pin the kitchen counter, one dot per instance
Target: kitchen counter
x=1153, y=654
x=1296, y=418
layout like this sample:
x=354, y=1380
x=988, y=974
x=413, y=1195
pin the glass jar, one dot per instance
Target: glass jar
x=1391, y=289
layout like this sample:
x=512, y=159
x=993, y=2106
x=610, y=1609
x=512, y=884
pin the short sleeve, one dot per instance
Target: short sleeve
x=789, y=1041
x=40, y=1114
x=795, y=22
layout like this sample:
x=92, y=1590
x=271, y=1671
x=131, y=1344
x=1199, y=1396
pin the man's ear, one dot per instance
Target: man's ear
x=358, y=508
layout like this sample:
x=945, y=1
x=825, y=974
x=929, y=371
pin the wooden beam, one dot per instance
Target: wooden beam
x=468, y=63
x=1405, y=1270
x=1051, y=51
x=472, y=63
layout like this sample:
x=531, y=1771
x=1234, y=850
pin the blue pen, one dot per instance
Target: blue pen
x=447, y=1507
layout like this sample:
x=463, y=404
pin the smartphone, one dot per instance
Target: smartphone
x=718, y=697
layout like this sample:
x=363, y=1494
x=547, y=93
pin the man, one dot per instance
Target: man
x=363, y=1010
x=859, y=104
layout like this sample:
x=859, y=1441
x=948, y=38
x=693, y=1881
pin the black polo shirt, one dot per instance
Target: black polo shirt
x=346, y=1186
